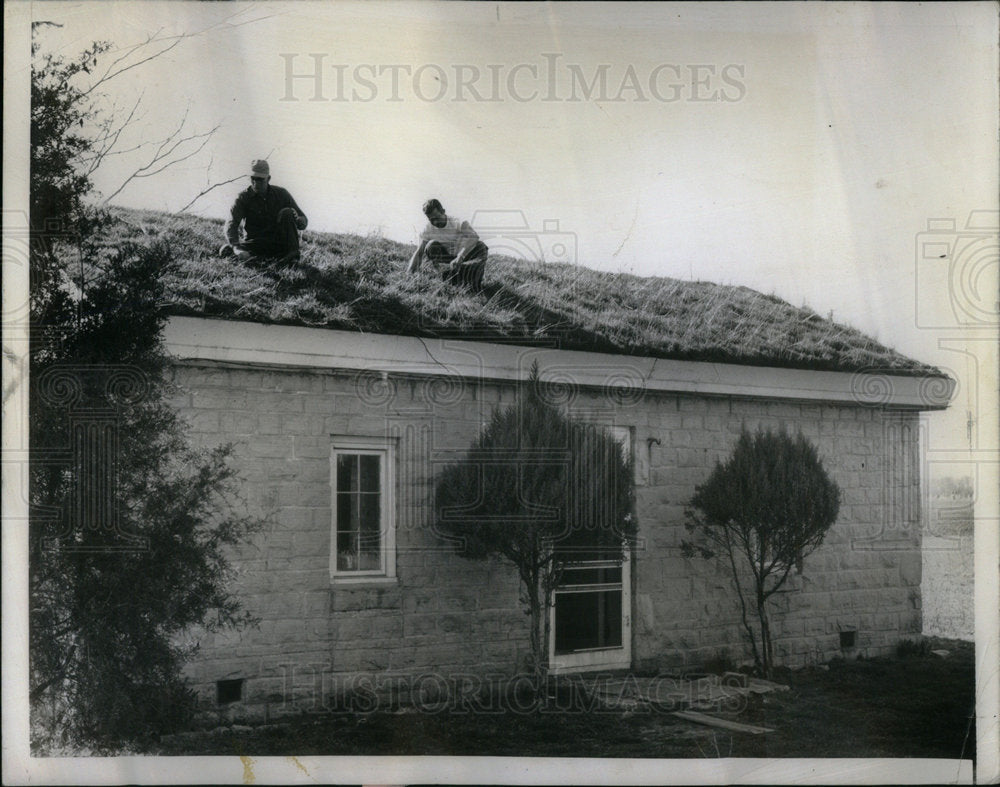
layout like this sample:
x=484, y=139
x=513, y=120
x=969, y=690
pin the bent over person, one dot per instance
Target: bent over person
x=271, y=220
x=452, y=247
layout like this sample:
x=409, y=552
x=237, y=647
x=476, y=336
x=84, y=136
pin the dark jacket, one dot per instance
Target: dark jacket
x=259, y=214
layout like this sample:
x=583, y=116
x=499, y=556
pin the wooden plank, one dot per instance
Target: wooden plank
x=761, y=686
x=713, y=721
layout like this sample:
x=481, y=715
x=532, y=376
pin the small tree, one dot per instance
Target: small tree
x=762, y=512
x=537, y=488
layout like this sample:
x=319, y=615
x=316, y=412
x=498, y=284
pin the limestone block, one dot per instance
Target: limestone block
x=433, y=601
x=309, y=447
x=910, y=568
x=335, y=383
x=886, y=622
x=275, y=402
x=369, y=425
x=310, y=543
x=206, y=421
x=418, y=625
x=200, y=376
x=270, y=446
x=347, y=599
x=320, y=404
x=288, y=382
x=692, y=404
x=351, y=628
x=219, y=398
x=336, y=424
x=302, y=423
x=849, y=428
x=386, y=628
x=315, y=603
x=451, y=624
x=692, y=457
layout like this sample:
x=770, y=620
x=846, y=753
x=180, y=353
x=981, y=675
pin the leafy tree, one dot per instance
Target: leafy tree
x=762, y=512
x=60, y=114
x=536, y=489
x=129, y=526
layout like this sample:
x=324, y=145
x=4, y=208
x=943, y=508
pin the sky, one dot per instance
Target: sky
x=800, y=149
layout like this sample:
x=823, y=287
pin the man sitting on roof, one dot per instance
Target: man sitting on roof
x=452, y=247
x=270, y=217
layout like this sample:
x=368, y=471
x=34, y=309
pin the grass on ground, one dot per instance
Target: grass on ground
x=915, y=705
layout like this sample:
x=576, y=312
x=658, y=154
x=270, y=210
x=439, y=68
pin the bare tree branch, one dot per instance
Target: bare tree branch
x=109, y=135
x=214, y=186
x=164, y=156
x=108, y=142
x=110, y=73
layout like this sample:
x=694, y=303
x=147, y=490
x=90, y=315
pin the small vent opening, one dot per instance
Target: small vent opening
x=227, y=691
x=847, y=639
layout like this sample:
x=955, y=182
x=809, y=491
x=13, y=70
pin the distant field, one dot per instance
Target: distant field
x=947, y=584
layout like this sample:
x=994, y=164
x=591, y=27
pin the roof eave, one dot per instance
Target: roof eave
x=251, y=343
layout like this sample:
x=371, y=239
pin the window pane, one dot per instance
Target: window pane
x=371, y=531
x=369, y=520
x=588, y=620
x=591, y=576
x=347, y=472
x=370, y=473
x=371, y=553
x=347, y=550
x=347, y=532
x=347, y=512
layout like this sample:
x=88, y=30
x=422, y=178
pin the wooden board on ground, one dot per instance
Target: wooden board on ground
x=761, y=686
x=712, y=721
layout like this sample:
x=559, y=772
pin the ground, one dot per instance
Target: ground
x=916, y=704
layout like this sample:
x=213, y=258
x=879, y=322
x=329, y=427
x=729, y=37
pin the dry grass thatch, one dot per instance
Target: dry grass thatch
x=350, y=282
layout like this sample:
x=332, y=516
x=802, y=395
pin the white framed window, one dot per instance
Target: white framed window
x=590, y=616
x=363, y=505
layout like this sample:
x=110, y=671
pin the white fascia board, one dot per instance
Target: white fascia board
x=256, y=344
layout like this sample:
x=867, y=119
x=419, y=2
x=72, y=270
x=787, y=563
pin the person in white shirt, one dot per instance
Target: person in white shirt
x=452, y=247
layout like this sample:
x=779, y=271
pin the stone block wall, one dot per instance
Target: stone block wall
x=864, y=578
x=447, y=616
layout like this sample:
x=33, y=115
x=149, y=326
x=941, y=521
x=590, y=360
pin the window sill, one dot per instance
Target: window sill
x=359, y=583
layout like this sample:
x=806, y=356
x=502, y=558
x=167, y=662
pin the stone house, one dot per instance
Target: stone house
x=338, y=435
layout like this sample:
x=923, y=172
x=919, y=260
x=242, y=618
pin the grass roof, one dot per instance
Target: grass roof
x=357, y=283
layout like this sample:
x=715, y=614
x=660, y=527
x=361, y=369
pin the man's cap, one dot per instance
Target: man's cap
x=260, y=169
x=432, y=204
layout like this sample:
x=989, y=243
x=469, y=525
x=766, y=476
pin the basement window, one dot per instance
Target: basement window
x=227, y=691
x=847, y=639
